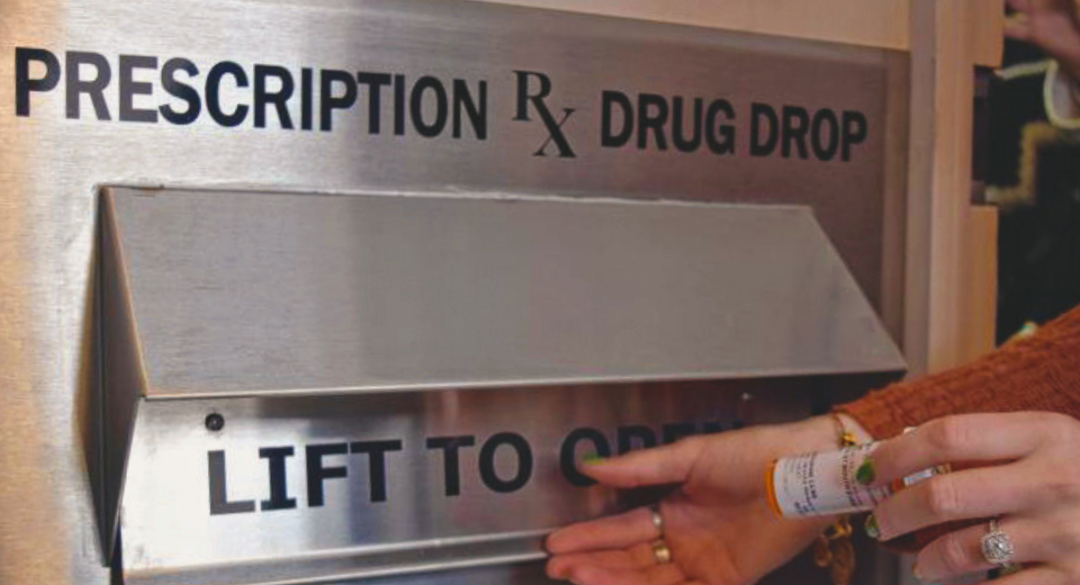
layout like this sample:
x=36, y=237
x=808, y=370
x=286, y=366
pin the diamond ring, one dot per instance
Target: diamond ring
x=997, y=547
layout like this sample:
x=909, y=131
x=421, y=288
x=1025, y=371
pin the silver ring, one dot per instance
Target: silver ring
x=661, y=552
x=997, y=547
x=657, y=519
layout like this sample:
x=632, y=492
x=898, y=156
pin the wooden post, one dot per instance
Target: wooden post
x=951, y=245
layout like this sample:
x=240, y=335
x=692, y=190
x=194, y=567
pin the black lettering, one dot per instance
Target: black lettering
x=399, y=105
x=608, y=138
x=678, y=133
x=555, y=134
x=279, y=99
x=672, y=432
x=219, y=491
x=279, y=492
x=764, y=130
x=524, y=96
x=95, y=88
x=856, y=130
x=213, y=93
x=451, y=460
x=374, y=83
x=796, y=126
x=181, y=91
x=524, y=462
x=307, y=99
x=568, y=454
x=630, y=434
x=825, y=125
x=476, y=110
x=328, y=102
x=376, y=452
x=24, y=84
x=652, y=115
x=553, y=126
x=720, y=136
x=416, y=106
x=316, y=473
x=129, y=88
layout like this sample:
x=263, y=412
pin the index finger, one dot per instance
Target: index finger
x=967, y=438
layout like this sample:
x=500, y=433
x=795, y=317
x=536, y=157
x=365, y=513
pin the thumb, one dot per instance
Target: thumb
x=661, y=465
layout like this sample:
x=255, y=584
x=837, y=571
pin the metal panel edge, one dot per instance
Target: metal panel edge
x=123, y=381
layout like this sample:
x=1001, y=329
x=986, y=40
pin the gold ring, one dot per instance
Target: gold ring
x=657, y=519
x=661, y=552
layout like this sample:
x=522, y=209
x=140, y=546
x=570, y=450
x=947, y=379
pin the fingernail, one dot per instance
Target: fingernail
x=592, y=459
x=871, y=527
x=866, y=474
x=916, y=572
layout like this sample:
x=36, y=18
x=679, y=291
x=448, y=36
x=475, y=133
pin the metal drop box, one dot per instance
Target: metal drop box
x=344, y=290
x=312, y=388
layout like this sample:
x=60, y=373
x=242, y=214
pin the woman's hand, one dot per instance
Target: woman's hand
x=1030, y=477
x=1053, y=26
x=717, y=525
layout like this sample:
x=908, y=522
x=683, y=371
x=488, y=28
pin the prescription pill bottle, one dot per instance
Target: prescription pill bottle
x=823, y=484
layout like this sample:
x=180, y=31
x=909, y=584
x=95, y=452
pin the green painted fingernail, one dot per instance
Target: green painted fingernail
x=592, y=459
x=866, y=474
x=872, y=529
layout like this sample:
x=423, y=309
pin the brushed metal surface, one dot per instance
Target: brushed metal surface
x=170, y=536
x=259, y=293
x=344, y=299
x=50, y=168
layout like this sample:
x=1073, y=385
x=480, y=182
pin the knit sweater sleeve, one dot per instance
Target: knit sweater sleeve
x=1041, y=372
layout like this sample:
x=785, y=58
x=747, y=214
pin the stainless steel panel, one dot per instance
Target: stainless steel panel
x=51, y=166
x=249, y=293
x=315, y=296
x=421, y=523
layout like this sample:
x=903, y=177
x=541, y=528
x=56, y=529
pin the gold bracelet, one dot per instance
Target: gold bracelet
x=846, y=437
x=833, y=549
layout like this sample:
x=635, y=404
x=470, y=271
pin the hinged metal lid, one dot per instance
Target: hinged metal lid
x=250, y=293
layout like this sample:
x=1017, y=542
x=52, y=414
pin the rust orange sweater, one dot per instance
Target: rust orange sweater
x=1041, y=372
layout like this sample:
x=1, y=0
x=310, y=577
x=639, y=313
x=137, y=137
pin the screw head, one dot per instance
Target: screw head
x=214, y=422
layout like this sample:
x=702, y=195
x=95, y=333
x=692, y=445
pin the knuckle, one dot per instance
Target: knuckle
x=954, y=555
x=948, y=434
x=1071, y=574
x=942, y=498
x=1069, y=541
x=1065, y=421
x=1063, y=574
x=1057, y=424
x=1066, y=487
x=690, y=446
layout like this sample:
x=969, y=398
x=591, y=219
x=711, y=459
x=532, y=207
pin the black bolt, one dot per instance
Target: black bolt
x=215, y=422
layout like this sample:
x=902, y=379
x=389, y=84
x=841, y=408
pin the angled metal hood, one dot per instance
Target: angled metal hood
x=214, y=296
x=249, y=293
